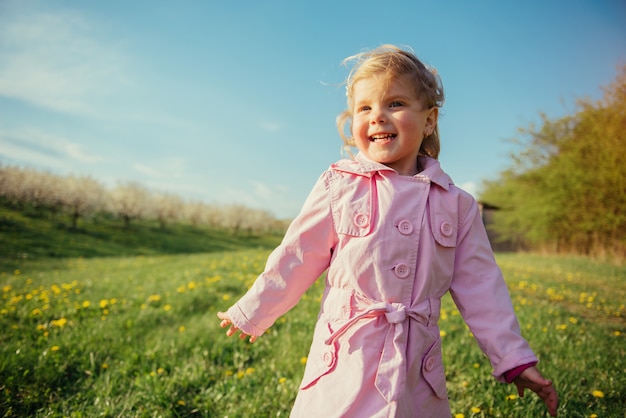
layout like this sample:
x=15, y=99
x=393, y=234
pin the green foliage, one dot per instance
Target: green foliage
x=567, y=189
x=139, y=337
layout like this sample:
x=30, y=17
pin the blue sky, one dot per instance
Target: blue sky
x=235, y=102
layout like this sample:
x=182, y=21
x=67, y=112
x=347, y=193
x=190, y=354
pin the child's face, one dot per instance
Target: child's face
x=389, y=122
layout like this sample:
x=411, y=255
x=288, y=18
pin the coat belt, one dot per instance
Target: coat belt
x=391, y=373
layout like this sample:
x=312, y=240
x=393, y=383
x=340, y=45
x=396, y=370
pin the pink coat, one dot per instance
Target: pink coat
x=393, y=246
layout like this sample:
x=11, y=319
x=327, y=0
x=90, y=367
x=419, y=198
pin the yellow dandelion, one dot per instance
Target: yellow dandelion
x=228, y=373
x=459, y=416
x=167, y=307
x=250, y=370
x=104, y=303
x=105, y=366
x=86, y=304
x=511, y=397
x=60, y=323
x=475, y=410
x=16, y=273
x=617, y=333
x=303, y=360
x=225, y=297
x=181, y=289
x=442, y=333
x=240, y=374
x=181, y=328
x=573, y=320
x=476, y=365
x=36, y=312
x=154, y=298
x=181, y=402
x=282, y=380
x=6, y=288
x=160, y=370
x=598, y=394
x=593, y=416
x=55, y=348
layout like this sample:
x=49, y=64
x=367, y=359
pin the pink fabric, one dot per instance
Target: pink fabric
x=392, y=246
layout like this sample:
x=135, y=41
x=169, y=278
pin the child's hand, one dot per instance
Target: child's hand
x=233, y=329
x=533, y=380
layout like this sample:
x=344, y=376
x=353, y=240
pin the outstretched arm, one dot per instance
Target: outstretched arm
x=533, y=380
x=233, y=329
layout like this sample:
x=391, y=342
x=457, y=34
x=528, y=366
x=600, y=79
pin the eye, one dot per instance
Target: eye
x=363, y=109
x=396, y=103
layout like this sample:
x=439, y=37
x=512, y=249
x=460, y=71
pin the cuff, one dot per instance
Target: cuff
x=510, y=375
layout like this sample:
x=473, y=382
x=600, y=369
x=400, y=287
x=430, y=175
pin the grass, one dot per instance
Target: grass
x=137, y=336
x=42, y=234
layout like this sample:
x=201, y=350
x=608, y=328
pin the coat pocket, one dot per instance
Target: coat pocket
x=322, y=357
x=433, y=371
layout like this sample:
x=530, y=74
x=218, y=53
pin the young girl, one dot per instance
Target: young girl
x=394, y=234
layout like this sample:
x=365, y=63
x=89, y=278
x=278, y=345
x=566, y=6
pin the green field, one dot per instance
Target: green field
x=137, y=335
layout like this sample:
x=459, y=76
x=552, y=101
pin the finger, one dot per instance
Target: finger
x=231, y=331
x=252, y=339
x=224, y=323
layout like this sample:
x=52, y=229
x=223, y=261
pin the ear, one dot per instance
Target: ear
x=431, y=119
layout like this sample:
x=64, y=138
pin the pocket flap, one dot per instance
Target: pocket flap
x=322, y=359
x=433, y=371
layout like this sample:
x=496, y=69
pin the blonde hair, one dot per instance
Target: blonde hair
x=391, y=61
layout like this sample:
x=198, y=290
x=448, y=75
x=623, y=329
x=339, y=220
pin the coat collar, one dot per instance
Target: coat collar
x=365, y=167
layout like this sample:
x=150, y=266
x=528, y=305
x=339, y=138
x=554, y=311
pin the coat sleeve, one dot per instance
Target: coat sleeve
x=303, y=255
x=482, y=297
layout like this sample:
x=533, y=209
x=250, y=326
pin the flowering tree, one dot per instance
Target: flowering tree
x=81, y=196
x=129, y=201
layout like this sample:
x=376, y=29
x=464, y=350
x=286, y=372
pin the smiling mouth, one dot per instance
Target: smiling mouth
x=382, y=138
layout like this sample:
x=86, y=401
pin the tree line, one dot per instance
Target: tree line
x=565, y=190
x=83, y=197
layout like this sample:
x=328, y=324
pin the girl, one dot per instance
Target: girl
x=394, y=234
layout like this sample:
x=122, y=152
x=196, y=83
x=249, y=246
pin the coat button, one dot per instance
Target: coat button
x=446, y=229
x=430, y=364
x=361, y=220
x=405, y=227
x=401, y=270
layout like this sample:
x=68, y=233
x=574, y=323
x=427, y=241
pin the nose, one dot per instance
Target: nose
x=377, y=116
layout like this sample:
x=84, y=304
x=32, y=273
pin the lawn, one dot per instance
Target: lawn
x=138, y=337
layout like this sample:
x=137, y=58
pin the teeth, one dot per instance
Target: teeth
x=381, y=137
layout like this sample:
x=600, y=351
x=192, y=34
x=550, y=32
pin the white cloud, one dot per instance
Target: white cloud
x=37, y=147
x=168, y=168
x=470, y=187
x=54, y=60
x=271, y=126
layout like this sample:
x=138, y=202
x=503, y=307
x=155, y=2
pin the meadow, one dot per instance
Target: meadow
x=137, y=336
